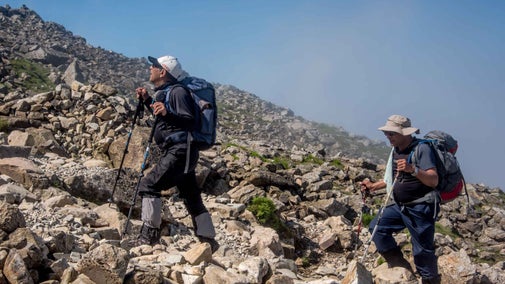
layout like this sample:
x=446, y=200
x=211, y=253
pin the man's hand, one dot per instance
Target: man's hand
x=159, y=108
x=403, y=166
x=142, y=93
x=366, y=184
x=428, y=177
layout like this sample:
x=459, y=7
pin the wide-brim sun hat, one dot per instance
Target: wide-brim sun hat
x=399, y=124
x=171, y=64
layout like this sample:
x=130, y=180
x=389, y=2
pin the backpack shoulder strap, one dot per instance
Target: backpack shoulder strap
x=414, y=154
x=188, y=133
x=170, y=89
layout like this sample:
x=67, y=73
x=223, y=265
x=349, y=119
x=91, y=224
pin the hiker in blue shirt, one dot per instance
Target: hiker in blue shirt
x=411, y=209
x=174, y=108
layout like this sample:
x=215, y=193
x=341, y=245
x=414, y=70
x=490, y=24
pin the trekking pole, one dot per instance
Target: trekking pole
x=138, y=114
x=141, y=175
x=159, y=97
x=379, y=216
x=364, y=209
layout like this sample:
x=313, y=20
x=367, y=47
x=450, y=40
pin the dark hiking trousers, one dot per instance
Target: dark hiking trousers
x=419, y=220
x=167, y=173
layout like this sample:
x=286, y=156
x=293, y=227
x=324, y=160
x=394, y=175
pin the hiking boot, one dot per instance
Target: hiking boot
x=394, y=258
x=433, y=280
x=214, y=245
x=148, y=236
x=203, y=226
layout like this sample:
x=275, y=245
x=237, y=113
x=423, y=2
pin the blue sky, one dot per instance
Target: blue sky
x=346, y=63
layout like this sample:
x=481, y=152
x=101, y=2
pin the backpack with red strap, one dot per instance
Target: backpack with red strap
x=450, y=178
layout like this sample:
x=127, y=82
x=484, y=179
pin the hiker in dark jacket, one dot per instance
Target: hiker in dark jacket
x=174, y=109
x=415, y=206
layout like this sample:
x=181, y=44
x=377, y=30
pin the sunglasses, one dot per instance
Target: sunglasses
x=390, y=133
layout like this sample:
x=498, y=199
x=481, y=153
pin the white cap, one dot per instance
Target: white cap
x=171, y=64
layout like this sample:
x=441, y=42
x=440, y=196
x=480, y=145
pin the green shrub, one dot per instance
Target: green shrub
x=367, y=218
x=305, y=261
x=257, y=155
x=336, y=163
x=264, y=210
x=230, y=144
x=282, y=161
x=491, y=258
x=446, y=231
x=312, y=160
x=37, y=76
x=250, y=152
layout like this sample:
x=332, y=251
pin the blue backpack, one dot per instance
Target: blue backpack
x=203, y=136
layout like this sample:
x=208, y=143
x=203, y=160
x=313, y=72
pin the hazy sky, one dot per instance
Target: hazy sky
x=346, y=63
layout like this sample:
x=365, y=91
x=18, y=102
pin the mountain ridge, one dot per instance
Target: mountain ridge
x=63, y=53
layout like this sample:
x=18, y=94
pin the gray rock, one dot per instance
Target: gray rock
x=10, y=217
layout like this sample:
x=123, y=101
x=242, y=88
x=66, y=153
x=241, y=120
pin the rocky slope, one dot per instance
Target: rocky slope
x=59, y=153
x=68, y=58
